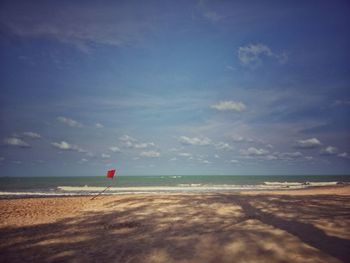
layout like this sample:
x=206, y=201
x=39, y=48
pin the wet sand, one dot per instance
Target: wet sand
x=310, y=225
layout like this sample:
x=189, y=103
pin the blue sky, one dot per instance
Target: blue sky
x=174, y=87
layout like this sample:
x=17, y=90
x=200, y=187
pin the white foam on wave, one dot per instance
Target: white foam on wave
x=6, y=193
x=283, y=183
x=299, y=184
x=178, y=188
x=91, y=190
x=322, y=183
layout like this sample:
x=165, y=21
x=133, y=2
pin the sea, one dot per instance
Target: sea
x=91, y=185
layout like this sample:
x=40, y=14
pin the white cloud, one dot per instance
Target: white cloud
x=194, y=141
x=32, y=135
x=174, y=149
x=271, y=157
x=70, y=122
x=130, y=142
x=185, y=154
x=230, y=68
x=292, y=155
x=223, y=146
x=216, y=156
x=252, y=54
x=308, y=143
x=341, y=103
x=252, y=151
x=208, y=13
x=229, y=106
x=65, y=146
x=233, y=161
x=127, y=138
x=276, y=155
x=62, y=145
x=83, y=160
x=206, y=162
x=237, y=138
x=12, y=141
x=212, y=16
x=114, y=149
x=150, y=154
x=90, y=154
x=113, y=25
x=330, y=150
x=99, y=125
x=343, y=155
x=173, y=159
x=105, y=156
x=143, y=145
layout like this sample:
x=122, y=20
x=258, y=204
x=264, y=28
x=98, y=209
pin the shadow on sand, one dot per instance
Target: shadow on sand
x=190, y=228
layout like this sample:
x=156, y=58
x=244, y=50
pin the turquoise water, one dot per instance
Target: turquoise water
x=88, y=185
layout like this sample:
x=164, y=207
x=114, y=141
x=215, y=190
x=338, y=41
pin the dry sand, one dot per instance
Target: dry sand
x=288, y=226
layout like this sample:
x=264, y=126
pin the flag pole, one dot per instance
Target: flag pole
x=110, y=174
x=95, y=196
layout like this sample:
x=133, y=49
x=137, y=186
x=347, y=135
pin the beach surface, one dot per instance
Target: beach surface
x=310, y=225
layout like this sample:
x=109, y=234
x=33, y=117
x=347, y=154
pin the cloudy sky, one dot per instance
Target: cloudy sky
x=174, y=87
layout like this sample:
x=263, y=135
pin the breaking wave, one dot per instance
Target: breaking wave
x=191, y=187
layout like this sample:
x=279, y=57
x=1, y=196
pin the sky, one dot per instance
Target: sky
x=174, y=87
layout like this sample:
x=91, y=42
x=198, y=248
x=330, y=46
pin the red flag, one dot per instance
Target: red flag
x=110, y=173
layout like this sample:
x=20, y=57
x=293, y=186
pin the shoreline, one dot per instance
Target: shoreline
x=309, y=189
x=340, y=189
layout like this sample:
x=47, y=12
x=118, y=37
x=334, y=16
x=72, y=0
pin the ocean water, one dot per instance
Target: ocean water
x=57, y=186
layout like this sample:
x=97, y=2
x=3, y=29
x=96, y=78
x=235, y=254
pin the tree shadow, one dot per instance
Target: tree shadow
x=186, y=228
x=308, y=233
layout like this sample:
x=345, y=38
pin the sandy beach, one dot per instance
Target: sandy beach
x=310, y=225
